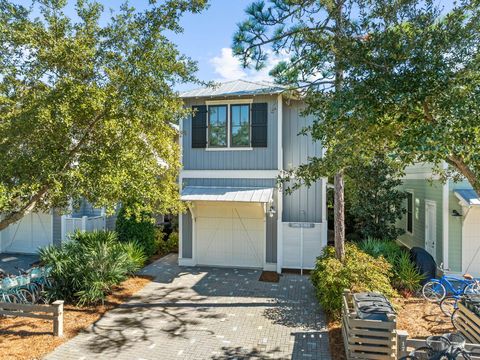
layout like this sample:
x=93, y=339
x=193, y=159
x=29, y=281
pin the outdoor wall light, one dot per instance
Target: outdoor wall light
x=455, y=213
x=271, y=211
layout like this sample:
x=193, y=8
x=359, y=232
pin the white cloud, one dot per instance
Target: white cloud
x=228, y=67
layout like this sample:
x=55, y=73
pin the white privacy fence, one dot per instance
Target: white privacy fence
x=84, y=223
x=302, y=244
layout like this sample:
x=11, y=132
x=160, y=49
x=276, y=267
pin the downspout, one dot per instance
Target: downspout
x=445, y=218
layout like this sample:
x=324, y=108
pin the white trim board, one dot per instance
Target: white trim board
x=229, y=174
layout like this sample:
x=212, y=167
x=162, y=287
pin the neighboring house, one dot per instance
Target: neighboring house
x=242, y=135
x=38, y=229
x=442, y=218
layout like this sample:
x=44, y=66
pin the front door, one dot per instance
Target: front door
x=431, y=227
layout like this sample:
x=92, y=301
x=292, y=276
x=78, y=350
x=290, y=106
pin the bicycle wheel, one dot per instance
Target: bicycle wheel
x=422, y=353
x=25, y=296
x=472, y=289
x=448, y=305
x=433, y=291
x=454, y=320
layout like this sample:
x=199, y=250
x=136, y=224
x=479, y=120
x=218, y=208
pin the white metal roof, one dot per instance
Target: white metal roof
x=235, y=88
x=469, y=196
x=238, y=194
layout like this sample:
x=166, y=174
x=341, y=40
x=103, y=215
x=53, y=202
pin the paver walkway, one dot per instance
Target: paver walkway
x=208, y=313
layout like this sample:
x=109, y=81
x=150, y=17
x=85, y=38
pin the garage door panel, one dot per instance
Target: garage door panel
x=222, y=238
x=29, y=234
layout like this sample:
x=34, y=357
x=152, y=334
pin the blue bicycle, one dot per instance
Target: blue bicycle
x=436, y=290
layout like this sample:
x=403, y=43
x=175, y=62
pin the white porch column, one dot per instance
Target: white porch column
x=84, y=223
x=280, y=192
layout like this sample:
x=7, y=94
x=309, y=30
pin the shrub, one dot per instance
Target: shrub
x=165, y=246
x=173, y=241
x=390, y=250
x=138, y=228
x=359, y=272
x=405, y=275
x=86, y=268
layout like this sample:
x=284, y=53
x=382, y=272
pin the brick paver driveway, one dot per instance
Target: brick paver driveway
x=208, y=313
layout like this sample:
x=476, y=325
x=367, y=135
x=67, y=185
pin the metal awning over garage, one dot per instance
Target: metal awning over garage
x=468, y=196
x=234, y=194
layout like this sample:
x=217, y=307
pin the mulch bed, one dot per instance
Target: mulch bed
x=417, y=316
x=27, y=339
x=269, y=276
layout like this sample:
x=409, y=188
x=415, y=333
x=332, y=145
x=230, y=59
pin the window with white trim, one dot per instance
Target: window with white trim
x=410, y=205
x=229, y=125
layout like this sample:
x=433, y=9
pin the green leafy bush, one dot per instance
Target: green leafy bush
x=359, y=272
x=138, y=228
x=165, y=246
x=173, y=241
x=86, y=268
x=390, y=250
x=405, y=275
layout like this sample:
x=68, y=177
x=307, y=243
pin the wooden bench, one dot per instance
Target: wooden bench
x=52, y=312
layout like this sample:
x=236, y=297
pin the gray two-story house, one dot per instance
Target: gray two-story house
x=239, y=139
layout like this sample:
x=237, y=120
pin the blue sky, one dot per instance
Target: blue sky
x=207, y=38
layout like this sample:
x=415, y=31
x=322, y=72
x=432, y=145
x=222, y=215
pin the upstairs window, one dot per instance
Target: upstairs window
x=410, y=201
x=217, y=126
x=240, y=125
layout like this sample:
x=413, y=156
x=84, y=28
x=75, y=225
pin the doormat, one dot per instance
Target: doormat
x=269, y=276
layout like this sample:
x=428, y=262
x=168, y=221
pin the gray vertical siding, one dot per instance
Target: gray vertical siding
x=56, y=227
x=255, y=159
x=304, y=204
x=230, y=182
x=111, y=222
x=187, y=235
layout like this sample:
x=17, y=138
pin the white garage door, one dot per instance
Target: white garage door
x=471, y=242
x=230, y=234
x=33, y=231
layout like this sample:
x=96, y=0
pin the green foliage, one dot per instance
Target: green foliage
x=375, y=202
x=138, y=228
x=404, y=275
x=165, y=246
x=408, y=85
x=407, y=276
x=390, y=250
x=86, y=268
x=136, y=256
x=87, y=104
x=359, y=272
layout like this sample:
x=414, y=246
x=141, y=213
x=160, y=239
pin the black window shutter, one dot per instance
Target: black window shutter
x=259, y=124
x=199, y=126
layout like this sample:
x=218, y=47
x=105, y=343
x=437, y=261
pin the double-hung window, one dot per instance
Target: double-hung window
x=240, y=125
x=217, y=126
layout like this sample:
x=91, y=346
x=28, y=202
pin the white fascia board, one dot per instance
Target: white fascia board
x=229, y=174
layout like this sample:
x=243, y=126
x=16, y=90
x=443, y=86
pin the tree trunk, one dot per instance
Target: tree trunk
x=339, y=197
x=15, y=216
x=458, y=163
x=339, y=216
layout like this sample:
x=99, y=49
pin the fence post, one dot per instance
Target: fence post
x=58, y=318
x=84, y=223
x=402, y=336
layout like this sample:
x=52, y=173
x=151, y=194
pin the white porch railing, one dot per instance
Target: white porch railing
x=84, y=223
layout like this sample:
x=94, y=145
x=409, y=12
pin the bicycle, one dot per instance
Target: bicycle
x=444, y=347
x=435, y=290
